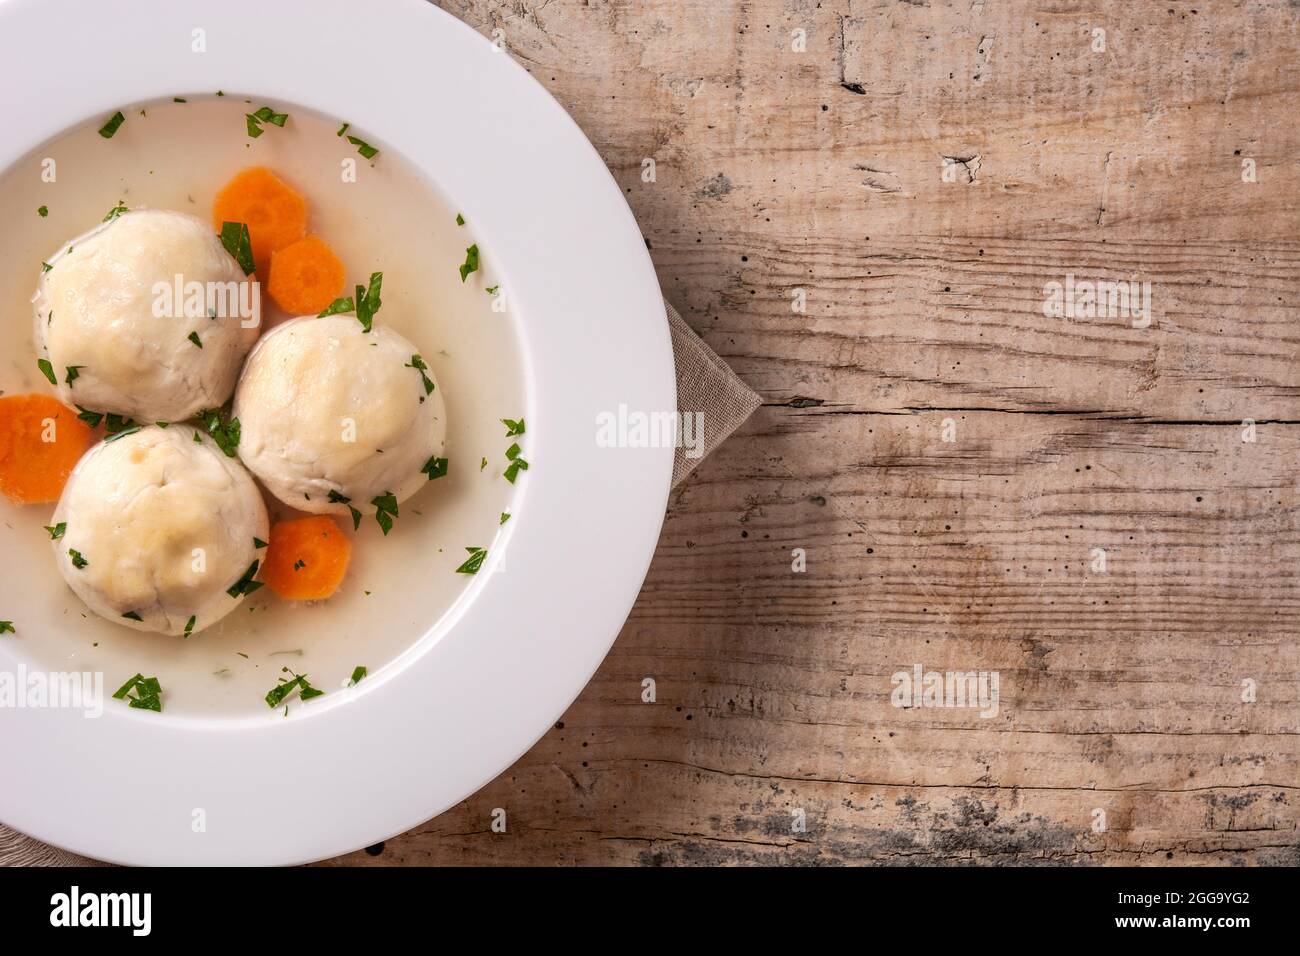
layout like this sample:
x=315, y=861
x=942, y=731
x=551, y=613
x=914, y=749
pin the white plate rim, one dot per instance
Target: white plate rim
x=466, y=703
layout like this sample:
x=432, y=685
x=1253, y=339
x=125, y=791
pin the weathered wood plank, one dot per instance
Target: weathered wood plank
x=1127, y=691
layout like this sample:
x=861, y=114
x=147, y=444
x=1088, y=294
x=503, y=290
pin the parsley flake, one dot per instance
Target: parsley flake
x=473, y=562
x=147, y=690
x=109, y=129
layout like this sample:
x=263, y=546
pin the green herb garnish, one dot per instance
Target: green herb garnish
x=460, y=220
x=116, y=211
x=365, y=149
x=133, y=616
x=338, y=307
x=473, y=562
x=505, y=516
x=77, y=560
x=358, y=675
x=368, y=302
x=56, y=531
x=224, y=433
x=90, y=418
x=74, y=373
x=234, y=236
x=115, y=424
x=42, y=211
x=189, y=626
x=385, y=510
x=471, y=262
x=339, y=499
x=245, y=584
x=111, y=127
x=259, y=544
x=7, y=627
x=417, y=363
x=47, y=369
x=122, y=433
x=516, y=465
x=255, y=120
x=513, y=428
x=276, y=696
x=148, y=693
x=435, y=468
x=492, y=289
x=46, y=267
x=194, y=337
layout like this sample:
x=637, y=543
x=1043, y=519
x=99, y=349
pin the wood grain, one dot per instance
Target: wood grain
x=921, y=171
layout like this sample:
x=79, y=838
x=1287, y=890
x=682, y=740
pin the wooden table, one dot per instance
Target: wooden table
x=1077, y=503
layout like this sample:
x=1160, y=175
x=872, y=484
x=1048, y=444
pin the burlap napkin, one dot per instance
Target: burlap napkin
x=706, y=389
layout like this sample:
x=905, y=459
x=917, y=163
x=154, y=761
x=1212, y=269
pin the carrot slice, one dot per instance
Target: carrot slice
x=306, y=558
x=275, y=213
x=41, y=439
x=306, y=276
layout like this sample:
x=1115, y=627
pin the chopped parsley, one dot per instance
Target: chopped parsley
x=133, y=616
x=111, y=127
x=129, y=429
x=492, y=289
x=78, y=561
x=338, y=307
x=339, y=499
x=513, y=428
x=46, y=267
x=115, y=424
x=179, y=99
x=358, y=675
x=368, y=303
x=194, y=337
x=245, y=584
x=74, y=373
x=147, y=690
x=365, y=149
x=116, y=211
x=505, y=516
x=7, y=627
x=473, y=562
x=417, y=363
x=47, y=369
x=234, y=236
x=255, y=120
x=56, y=531
x=189, y=626
x=471, y=262
x=482, y=464
x=435, y=468
x=516, y=465
x=276, y=696
x=224, y=433
x=343, y=129
x=460, y=220
x=259, y=544
x=42, y=211
x=385, y=510
x=90, y=418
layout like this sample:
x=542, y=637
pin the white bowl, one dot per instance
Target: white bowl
x=478, y=690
